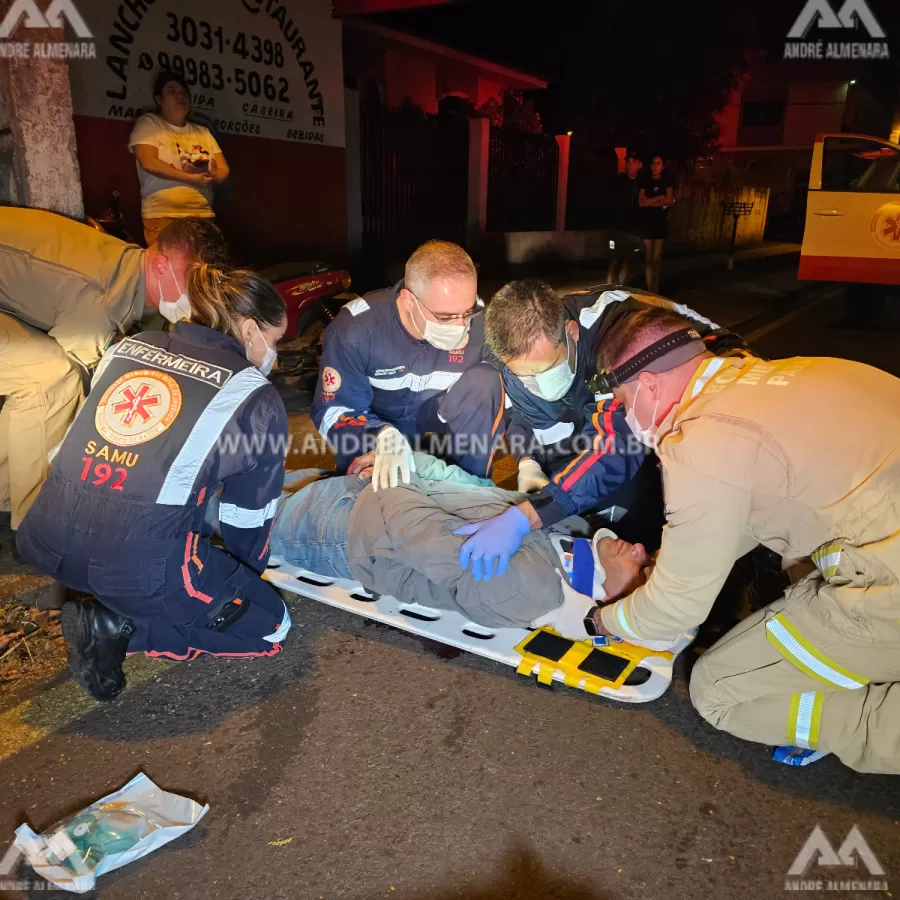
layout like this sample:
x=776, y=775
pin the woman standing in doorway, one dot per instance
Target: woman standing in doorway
x=178, y=161
x=656, y=193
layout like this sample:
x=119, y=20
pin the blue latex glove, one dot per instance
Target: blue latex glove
x=496, y=538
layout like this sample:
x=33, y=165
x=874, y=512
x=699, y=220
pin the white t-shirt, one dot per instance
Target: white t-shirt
x=191, y=148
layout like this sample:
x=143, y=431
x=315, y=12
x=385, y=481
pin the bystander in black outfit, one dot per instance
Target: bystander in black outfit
x=624, y=237
x=656, y=193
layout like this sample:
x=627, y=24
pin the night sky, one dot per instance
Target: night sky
x=631, y=70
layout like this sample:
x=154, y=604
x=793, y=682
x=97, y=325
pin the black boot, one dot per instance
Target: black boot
x=97, y=639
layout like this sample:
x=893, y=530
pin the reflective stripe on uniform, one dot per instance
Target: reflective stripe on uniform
x=281, y=632
x=798, y=651
x=689, y=313
x=805, y=718
x=241, y=517
x=827, y=558
x=590, y=314
x=357, y=306
x=433, y=381
x=332, y=414
x=622, y=619
x=711, y=369
x=207, y=430
x=555, y=433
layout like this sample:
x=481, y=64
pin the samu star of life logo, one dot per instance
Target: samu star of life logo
x=331, y=380
x=890, y=229
x=137, y=407
x=885, y=227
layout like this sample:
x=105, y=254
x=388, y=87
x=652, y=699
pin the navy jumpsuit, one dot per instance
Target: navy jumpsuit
x=582, y=441
x=375, y=373
x=171, y=418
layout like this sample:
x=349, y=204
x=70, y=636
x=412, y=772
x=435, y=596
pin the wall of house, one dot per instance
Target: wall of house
x=410, y=77
x=284, y=200
x=487, y=89
x=757, y=94
x=403, y=73
x=280, y=122
x=813, y=97
x=812, y=109
x=698, y=217
x=729, y=119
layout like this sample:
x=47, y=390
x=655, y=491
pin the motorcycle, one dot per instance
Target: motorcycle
x=313, y=293
x=111, y=220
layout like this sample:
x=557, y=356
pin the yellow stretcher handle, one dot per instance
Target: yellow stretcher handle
x=571, y=660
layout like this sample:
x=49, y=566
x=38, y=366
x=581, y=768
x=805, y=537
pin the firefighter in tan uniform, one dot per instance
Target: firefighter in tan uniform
x=66, y=291
x=799, y=455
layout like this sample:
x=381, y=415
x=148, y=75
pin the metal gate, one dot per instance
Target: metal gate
x=592, y=175
x=522, y=171
x=415, y=179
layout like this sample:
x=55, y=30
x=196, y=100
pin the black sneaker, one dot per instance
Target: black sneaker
x=97, y=639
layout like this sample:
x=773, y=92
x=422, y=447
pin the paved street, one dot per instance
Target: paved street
x=365, y=763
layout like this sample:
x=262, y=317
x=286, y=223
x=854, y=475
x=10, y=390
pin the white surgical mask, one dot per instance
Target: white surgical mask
x=553, y=384
x=180, y=309
x=268, y=360
x=440, y=334
x=647, y=436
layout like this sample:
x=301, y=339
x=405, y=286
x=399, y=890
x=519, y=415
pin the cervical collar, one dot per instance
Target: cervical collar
x=581, y=563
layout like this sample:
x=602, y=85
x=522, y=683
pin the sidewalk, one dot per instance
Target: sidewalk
x=734, y=302
x=765, y=250
x=763, y=278
x=566, y=277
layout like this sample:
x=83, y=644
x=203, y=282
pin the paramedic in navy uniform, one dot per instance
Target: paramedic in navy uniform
x=577, y=452
x=407, y=360
x=170, y=418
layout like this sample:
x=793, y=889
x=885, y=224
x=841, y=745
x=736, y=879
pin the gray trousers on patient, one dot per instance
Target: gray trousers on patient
x=400, y=541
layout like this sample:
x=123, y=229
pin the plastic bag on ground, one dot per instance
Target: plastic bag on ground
x=108, y=834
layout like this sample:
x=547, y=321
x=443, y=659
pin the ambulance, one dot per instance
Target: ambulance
x=852, y=231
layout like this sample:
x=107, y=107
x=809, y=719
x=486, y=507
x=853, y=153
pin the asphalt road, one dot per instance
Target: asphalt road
x=363, y=763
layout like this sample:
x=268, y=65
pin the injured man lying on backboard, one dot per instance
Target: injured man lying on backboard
x=399, y=541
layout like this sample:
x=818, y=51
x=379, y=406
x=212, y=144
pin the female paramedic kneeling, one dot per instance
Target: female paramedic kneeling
x=170, y=417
